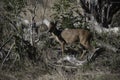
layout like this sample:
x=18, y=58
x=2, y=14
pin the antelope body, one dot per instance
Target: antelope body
x=69, y=36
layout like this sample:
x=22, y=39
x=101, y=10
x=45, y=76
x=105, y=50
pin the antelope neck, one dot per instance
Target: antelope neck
x=57, y=33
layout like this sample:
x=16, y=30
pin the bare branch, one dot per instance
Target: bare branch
x=9, y=20
x=6, y=42
x=108, y=46
x=7, y=55
x=13, y=62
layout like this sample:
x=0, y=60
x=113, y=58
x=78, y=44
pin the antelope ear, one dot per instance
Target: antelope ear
x=46, y=22
x=25, y=23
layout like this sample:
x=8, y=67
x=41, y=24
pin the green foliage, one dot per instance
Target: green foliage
x=10, y=10
x=9, y=13
x=68, y=15
x=14, y=6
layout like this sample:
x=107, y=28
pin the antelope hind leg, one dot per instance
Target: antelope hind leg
x=83, y=53
x=62, y=46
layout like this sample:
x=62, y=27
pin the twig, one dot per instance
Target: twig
x=63, y=66
x=7, y=55
x=44, y=6
x=93, y=54
x=13, y=62
x=108, y=46
x=33, y=23
x=6, y=42
x=11, y=22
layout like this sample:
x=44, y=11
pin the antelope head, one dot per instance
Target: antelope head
x=50, y=25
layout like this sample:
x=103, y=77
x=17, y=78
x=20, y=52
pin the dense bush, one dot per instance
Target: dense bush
x=19, y=56
x=68, y=14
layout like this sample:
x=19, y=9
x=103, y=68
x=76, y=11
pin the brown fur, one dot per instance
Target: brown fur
x=69, y=36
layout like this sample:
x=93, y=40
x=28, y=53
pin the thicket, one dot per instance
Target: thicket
x=68, y=14
x=17, y=54
x=15, y=51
